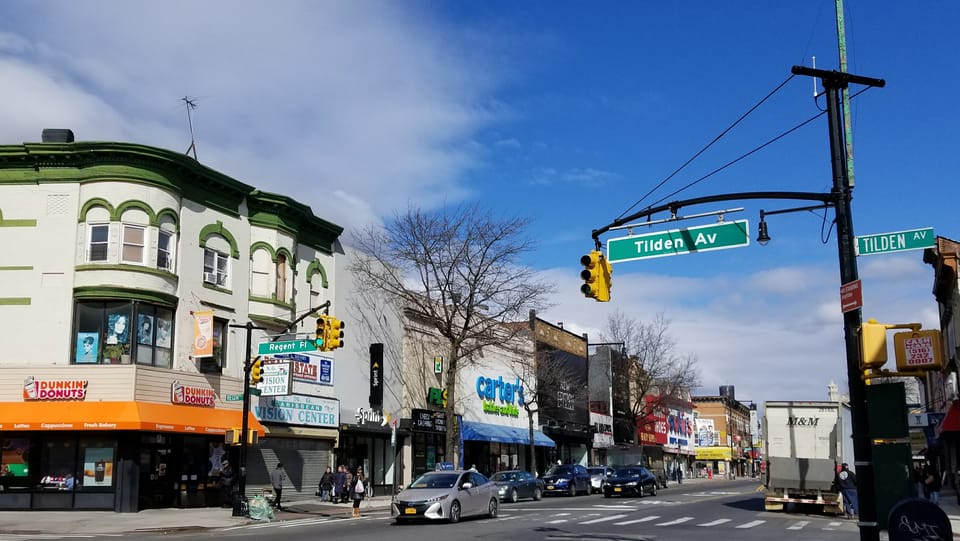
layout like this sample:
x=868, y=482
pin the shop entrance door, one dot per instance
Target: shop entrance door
x=158, y=466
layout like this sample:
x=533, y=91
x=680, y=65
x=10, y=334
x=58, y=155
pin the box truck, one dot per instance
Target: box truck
x=803, y=443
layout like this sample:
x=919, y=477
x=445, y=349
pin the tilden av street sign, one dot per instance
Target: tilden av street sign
x=898, y=241
x=290, y=346
x=702, y=238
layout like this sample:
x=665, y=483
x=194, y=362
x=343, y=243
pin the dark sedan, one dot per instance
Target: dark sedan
x=515, y=484
x=570, y=479
x=630, y=481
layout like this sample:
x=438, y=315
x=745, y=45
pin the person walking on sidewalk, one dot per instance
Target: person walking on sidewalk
x=358, y=488
x=347, y=485
x=847, y=483
x=932, y=482
x=326, y=485
x=277, y=477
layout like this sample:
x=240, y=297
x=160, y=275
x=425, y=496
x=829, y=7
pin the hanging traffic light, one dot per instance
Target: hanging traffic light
x=334, y=337
x=256, y=372
x=321, y=335
x=596, y=275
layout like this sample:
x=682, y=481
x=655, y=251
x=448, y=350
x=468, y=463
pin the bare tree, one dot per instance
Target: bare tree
x=657, y=373
x=459, y=270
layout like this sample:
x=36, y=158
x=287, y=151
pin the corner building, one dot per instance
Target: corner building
x=125, y=272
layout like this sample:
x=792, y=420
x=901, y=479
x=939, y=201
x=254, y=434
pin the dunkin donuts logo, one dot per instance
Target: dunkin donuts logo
x=62, y=389
x=192, y=396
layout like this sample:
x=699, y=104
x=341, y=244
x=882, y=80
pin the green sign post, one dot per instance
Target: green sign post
x=290, y=346
x=898, y=241
x=703, y=238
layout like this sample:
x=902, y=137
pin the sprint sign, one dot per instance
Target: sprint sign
x=918, y=350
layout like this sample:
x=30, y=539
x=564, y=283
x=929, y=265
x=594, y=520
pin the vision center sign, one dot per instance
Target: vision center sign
x=703, y=238
x=299, y=410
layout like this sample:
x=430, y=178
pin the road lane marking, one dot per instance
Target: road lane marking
x=304, y=522
x=798, y=525
x=637, y=521
x=561, y=521
x=603, y=519
x=680, y=520
x=714, y=522
x=751, y=524
x=562, y=515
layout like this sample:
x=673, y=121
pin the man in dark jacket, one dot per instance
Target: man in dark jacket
x=339, y=485
x=227, y=483
x=846, y=481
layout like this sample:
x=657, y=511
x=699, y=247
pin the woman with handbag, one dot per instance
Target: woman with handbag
x=358, y=488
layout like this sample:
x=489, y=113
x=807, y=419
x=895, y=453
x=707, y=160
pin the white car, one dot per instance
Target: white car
x=446, y=495
x=598, y=474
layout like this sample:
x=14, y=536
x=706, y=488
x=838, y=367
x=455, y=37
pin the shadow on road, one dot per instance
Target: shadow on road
x=750, y=504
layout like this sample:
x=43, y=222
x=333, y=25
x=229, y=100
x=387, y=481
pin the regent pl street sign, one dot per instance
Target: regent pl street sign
x=703, y=238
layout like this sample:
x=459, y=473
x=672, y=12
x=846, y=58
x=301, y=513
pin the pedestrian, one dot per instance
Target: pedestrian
x=339, y=483
x=227, y=482
x=326, y=485
x=277, y=477
x=679, y=474
x=916, y=479
x=932, y=482
x=846, y=481
x=347, y=484
x=358, y=489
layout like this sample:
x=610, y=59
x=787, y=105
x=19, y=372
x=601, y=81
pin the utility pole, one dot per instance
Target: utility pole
x=834, y=83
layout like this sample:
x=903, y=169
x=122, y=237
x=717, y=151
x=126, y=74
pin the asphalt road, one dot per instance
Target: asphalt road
x=734, y=511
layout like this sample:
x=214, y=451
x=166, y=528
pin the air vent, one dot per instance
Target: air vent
x=57, y=135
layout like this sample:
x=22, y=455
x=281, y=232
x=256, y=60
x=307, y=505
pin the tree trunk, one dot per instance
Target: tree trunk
x=533, y=451
x=453, y=425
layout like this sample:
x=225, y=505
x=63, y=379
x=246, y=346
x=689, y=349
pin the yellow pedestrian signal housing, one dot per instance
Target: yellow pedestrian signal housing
x=334, y=338
x=596, y=275
x=231, y=436
x=256, y=372
x=321, y=335
x=873, y=344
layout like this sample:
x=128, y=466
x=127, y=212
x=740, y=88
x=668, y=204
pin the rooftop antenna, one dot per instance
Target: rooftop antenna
x=190, y=104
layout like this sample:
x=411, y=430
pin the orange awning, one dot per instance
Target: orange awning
x=121, y=416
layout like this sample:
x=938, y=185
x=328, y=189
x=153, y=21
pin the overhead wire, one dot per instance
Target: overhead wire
x=705, y=148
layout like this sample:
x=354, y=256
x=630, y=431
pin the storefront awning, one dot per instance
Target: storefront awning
x=121, y=416
x=473, y=431
x=951, y=421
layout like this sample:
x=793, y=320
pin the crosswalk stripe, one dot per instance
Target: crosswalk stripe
x=680, y=520
x=637, y=521
x=604, y=519
x=751, y=524
x=798, y=525
x=561, y=521
x=714, y=522
x=562, y=515
x=307, y=522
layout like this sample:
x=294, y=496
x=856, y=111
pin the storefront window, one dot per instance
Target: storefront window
x=120, y=333
x=14, y=463
x=58, y=465
x=98, y=463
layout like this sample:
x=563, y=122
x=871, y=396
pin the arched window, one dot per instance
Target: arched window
x=281, y=278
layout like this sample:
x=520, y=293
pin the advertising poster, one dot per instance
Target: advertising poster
x=145, y=329
x=203, y=334
x=87, y=347
x=15, y=457
x=98, y=467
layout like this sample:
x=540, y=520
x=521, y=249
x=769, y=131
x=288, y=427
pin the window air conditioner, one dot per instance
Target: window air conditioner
x=210, y=277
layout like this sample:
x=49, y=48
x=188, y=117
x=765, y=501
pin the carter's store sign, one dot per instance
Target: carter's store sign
x=500, y=397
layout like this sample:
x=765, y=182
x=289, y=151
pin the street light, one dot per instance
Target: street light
x=763, y=235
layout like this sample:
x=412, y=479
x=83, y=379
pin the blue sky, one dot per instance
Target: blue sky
x=567, y=112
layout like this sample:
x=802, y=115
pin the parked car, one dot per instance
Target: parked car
x=630, y=481
x=515, y=484
x=446, y=495
x=598, y=474
x=571, y=479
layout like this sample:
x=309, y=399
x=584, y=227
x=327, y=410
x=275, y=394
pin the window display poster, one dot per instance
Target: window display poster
x=87, y=347
x=98, y=467
x=15, y=458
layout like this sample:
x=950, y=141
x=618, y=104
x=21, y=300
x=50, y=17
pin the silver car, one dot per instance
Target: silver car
x=446, y=495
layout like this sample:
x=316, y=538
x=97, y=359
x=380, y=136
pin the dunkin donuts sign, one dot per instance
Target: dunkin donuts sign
x=192, y=396
x=60, y=389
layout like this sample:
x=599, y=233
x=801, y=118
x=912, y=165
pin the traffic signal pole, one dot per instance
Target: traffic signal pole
x=834, y=83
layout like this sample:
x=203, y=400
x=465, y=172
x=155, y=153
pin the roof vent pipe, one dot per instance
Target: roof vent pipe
x=57, y=135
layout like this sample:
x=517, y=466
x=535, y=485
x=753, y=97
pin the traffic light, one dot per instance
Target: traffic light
x=334, y=338
x=873, y=344
x=256, y=372
x=321, y=336
x=231, y=436
x=596, y=275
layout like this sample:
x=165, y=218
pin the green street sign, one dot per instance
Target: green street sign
x=233, y=398
x=898, y=241
x=290, y=346
x=702, y=238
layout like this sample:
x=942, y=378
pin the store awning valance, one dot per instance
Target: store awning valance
x=121, y=416
x=473, y=431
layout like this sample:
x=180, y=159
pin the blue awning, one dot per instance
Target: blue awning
x=473, y=431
